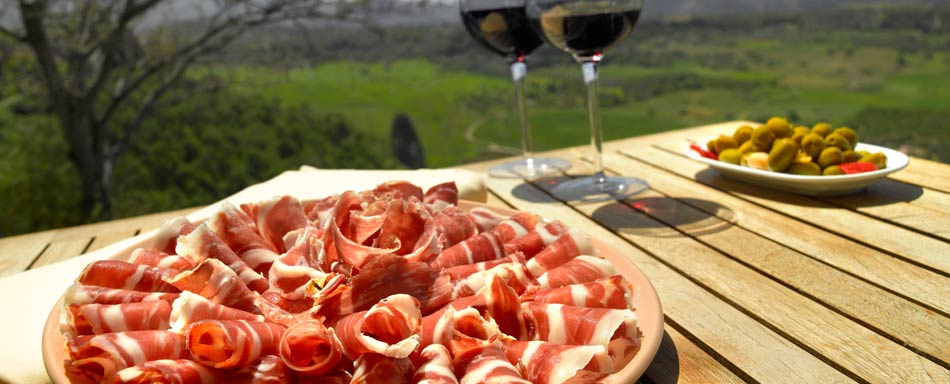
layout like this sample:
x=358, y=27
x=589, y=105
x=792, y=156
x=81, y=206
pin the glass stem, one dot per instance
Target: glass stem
x=589, y=69
x=518, y=72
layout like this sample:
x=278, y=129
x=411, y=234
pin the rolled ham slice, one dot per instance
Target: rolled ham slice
x=487, y=364
x=435, y=366
x=376, y=368
x=570, y=245
x=191, y=308
x=613, y=329
x=549, y=363
x=537, y=239
x=160, y=259
x=310, y=348
x=181, y=371
x=581, y=269
x=453, y=224
x=203, y=244
x=389, y=328
x=485, y=219
x=166, y=238
x=482, y=247
x=94, y=358
x=441, y=196
x=122, y=275
x=218, y=283
x=241, y=235
x=276, y=217
x=78, y=294
x=95, y=319
x=609, y=292
x=232, y=343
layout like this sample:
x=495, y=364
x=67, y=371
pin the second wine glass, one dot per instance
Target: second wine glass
x=586, y=29
x=503, y=27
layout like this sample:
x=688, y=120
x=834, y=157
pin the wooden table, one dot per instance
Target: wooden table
x=757, y=285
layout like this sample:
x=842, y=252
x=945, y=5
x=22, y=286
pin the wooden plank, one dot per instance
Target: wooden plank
x=920, y=219
x=106, y=238
x=680, y=361
x=925, y=173
x=68, y=243
x=854, y=348
x=733, y=334
x=913, y=194
x=879, y=268
x=896, y=317
x=18, y=252
x=911, y=246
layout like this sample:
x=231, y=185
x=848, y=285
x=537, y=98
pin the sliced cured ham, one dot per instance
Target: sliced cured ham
x=547, y=363
x=310, y=348
x=614, y=329
x=218, y=283
x=166, y=238
x=399, y=189
x=277, y=217
x=502, y=304
x=515, y=275
x=438, y=327
x=389, y=328
x=94, y=358
x=487, y=365
x=242, y=237
x=570, y=245
x=352, y=252
x=460, y=272
x=160, y=259
x=78, y=294
x=442, y=196
x=191, y=308
x=537, y=239
x=232, y=343
x=453, y=224
x=320, y=211
x=386, y=275
x=376, y=368
x=609, y=292
x=95, y=319
x=182, y=371
x=403, y=226
x=434, y=366
x=203, y=244
x=485, y=219
x=482, y=247
x=303, y=262
x=516, y=226
x=579, y=270
x=122, y=275
x=268, y=370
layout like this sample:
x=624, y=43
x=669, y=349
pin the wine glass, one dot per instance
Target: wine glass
x=586, y=29
x=502, y=27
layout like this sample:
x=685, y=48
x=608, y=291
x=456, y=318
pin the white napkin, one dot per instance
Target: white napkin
x=27, y=298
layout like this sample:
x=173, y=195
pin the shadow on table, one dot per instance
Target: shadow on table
x=666, y=217
x=528, y=192
x=665, y=368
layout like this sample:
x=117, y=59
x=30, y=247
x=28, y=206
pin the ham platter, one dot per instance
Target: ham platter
x=390, y=285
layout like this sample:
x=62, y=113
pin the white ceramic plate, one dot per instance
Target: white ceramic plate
x=809, y=185
x=645, y=302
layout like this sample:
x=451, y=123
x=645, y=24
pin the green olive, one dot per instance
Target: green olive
x=863, y=153
x=836, y=140
x=850, y=157
x=813, y=144
x=782, y=154
x=879, y=159
x=830, y=156
x=711, y=146
x=821, y=129
x=746, y=147
x=832, y=171
x=763, y=137
x=803, y=129
x=849, y=134
x=731, y=155
x=742, y=134
x=725, y=142
x=780, y=127
x=806, y=169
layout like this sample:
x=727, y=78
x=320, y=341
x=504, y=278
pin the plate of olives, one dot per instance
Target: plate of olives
x=817, y=160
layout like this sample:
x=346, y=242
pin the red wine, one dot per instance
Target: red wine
x=505, y=31
x=585, y=35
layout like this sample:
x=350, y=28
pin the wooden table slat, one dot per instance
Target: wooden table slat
x=732, y=333
x=18, y=252
x=925, y=173
x=680, y=361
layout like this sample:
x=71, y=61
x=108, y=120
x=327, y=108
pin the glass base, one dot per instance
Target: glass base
x=529, y=168
x=599, y=188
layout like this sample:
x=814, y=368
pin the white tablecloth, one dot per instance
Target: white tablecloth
x=27, y=298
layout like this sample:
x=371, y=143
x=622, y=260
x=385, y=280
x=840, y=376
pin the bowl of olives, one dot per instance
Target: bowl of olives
x=816, y=160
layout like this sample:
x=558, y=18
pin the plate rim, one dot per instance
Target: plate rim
x=649, y=316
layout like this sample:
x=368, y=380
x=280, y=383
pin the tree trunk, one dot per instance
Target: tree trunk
x=93, y=165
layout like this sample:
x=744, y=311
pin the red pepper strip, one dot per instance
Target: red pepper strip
x=702, y=152
x=857, y=167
